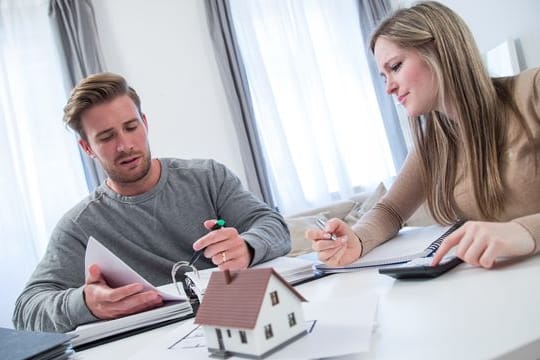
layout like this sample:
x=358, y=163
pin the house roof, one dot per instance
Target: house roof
x=234, y=299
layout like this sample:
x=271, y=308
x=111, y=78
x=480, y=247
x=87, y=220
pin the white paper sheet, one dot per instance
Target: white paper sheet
x=102, y=329
x=118, y=273
x=345, y=324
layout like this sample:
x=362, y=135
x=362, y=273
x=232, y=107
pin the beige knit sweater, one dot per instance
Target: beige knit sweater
x=520, y=176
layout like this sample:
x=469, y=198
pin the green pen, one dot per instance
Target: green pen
x=197, y=254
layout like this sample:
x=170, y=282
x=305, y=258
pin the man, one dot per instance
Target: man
x=149, y=212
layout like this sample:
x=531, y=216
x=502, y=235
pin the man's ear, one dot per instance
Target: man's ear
x=143, y=118
x=86, y=148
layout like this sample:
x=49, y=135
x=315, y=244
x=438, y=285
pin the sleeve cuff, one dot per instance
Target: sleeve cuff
x=531, y=223
x=78, y=312
x=256, y=248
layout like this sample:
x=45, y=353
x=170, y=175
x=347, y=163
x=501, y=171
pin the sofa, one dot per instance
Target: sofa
x=349, y=210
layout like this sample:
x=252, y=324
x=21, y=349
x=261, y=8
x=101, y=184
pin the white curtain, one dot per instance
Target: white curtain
x=313, y=99
x=41, y=172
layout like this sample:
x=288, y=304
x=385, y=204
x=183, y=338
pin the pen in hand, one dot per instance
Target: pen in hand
x=197, y=254
x=322, y=225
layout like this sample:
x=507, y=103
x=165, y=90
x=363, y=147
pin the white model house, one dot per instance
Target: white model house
x=250, y=313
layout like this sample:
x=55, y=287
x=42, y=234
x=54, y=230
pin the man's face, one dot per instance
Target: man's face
x=117, y=136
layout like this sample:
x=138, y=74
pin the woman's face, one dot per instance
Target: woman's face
x=407, y=76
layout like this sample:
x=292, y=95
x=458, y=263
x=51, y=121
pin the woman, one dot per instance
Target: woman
x=476, y=145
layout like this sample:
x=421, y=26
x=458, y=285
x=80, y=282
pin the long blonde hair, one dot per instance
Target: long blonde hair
x=481, y=105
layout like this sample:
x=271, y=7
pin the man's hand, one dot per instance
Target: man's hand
x=224, y=247
x=105, y=302
x=342, y=251
x=480, y=243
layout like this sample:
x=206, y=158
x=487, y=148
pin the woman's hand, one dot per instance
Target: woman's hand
x=342, y=251
x=481, y=243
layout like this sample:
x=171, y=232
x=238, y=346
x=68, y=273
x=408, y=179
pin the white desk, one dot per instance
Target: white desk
x=467, y=313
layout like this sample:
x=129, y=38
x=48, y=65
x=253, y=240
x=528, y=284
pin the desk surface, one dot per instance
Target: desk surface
x=467, y=313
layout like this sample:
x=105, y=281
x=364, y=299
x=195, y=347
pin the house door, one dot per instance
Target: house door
x=220, y=339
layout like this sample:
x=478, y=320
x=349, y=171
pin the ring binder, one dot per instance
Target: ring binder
x=189, y=287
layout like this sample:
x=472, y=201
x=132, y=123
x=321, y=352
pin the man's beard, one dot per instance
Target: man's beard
x=121, y=177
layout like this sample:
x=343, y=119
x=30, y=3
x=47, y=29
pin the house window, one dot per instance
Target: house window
x=228, y=332
x=292, y=319
x=243, y=337
x=268, y=331
x=274, y=297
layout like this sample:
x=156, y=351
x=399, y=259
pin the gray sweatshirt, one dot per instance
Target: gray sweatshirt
x=149, y=232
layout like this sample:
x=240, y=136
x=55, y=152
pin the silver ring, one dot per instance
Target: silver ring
x=224, y=257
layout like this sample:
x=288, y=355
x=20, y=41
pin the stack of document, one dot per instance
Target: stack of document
x=171, y=311
x=294, y=270
x=34, y=345
x=118, y=273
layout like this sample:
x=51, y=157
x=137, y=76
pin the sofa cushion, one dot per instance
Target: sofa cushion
x=421, y=217
x=300, y=222
x=360, y=209
x=297, y=227
x=349, y=211
x=336, y=209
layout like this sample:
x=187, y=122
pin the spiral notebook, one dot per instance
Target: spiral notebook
x=398, y=250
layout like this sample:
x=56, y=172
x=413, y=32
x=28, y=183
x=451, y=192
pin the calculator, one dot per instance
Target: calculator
x=421, y=268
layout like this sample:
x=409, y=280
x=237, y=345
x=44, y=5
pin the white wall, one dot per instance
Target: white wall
x=164, y=50
x=494, y=21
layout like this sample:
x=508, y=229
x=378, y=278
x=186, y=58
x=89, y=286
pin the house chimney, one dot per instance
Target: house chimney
x=228, y=276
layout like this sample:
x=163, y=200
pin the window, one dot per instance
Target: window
x=243, y=337
x=268, y=331
x=42, y=175
x=314, y=103
x=292, y=319
x=229, y=333
x=274, y=298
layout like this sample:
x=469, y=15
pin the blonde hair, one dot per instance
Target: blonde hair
x=93, y=90
x=481, y=105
